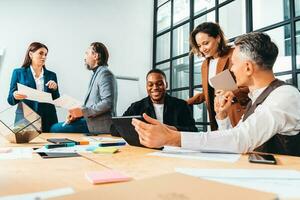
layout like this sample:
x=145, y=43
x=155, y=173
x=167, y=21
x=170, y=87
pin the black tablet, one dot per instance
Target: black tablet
x=122, y=127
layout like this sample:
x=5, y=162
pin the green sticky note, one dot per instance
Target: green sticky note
x=106, y=150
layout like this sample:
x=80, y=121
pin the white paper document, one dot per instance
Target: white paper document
x=35, y=95
x=284, y=183
x=177, y=152
x=223, y=81
x=16, y=153
x=64, y=101
x=67, y=102
x=41, y=195
x=102, y=139
x=74, y=149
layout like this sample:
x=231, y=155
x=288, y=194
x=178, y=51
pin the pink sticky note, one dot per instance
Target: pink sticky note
x=106, y=176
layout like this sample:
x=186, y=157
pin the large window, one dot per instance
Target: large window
x=175, y=19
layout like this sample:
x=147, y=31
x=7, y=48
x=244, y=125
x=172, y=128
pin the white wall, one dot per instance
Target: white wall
x=67, y=27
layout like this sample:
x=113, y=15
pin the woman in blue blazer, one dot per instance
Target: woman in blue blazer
x=34, y=74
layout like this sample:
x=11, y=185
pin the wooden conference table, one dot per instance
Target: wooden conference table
x=33, y=175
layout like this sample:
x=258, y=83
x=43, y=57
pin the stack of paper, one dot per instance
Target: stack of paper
x=74, y=149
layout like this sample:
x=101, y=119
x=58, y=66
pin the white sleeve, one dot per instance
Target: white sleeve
x=279, y=113
x=224, y=124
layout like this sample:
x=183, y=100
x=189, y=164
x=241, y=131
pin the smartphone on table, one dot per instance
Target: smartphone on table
x=262, y=158
x=60, y=140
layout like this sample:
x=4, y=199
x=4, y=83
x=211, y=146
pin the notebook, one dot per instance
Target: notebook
x=106, y=176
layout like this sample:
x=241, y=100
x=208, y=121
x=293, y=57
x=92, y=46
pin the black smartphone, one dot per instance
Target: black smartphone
x=60, y=140
x=262, y=158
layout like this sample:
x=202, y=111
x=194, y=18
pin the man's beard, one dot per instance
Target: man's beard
x=88, y=67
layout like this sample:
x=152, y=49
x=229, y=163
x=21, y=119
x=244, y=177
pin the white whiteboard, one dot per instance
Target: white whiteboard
x=128, y=92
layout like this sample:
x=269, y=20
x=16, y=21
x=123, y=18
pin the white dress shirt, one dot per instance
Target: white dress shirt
x=39, y=81
x=212, y=69
x=279, y=113
x=159, y=112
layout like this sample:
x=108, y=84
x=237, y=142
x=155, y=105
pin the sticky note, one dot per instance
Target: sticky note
x=106, y=150
x=106, y=176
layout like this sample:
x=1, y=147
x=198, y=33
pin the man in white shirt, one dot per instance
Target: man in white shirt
x=274, y=113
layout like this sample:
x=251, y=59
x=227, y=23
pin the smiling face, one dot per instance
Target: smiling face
x=208, y=46
x=240, y=68
x=156, y=87
x=38, y=57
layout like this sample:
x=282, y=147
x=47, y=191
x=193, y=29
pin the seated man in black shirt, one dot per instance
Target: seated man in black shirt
x=158, y=104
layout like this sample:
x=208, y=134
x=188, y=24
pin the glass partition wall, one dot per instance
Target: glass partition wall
x=175, y=19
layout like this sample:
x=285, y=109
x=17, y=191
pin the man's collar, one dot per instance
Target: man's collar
x=255, y=93
x=95, y=69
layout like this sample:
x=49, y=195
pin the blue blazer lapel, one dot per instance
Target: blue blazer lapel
x=46, y=79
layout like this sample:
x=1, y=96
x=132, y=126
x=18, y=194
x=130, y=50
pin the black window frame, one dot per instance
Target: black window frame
x=249, y=28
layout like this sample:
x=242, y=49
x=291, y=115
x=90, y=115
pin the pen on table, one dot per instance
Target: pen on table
x=51, y=146
x=112, y=144
x=82, y=143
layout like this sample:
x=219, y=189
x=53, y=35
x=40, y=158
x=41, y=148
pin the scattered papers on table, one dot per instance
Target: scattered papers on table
x=16, y=153
x=177, y=152
x=40, y=195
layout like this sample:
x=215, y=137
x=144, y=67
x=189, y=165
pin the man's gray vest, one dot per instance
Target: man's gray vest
x=278, y=144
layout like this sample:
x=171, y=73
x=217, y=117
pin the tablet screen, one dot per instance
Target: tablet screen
x=126, y=130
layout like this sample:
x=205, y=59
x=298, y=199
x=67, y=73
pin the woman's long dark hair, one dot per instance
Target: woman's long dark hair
x=33, y=47
x=213, y=30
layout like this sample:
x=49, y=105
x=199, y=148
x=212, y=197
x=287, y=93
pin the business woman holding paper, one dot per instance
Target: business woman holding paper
x=207, y=40
x=34, y=74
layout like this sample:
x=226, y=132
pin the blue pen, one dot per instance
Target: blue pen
x=51, y=146
x=109, y=144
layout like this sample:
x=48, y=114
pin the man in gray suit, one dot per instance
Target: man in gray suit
x=101, y=99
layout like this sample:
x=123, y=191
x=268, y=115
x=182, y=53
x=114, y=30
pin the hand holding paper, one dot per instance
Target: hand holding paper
x=19, y=96
x=34, y=95
x=65, y=101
